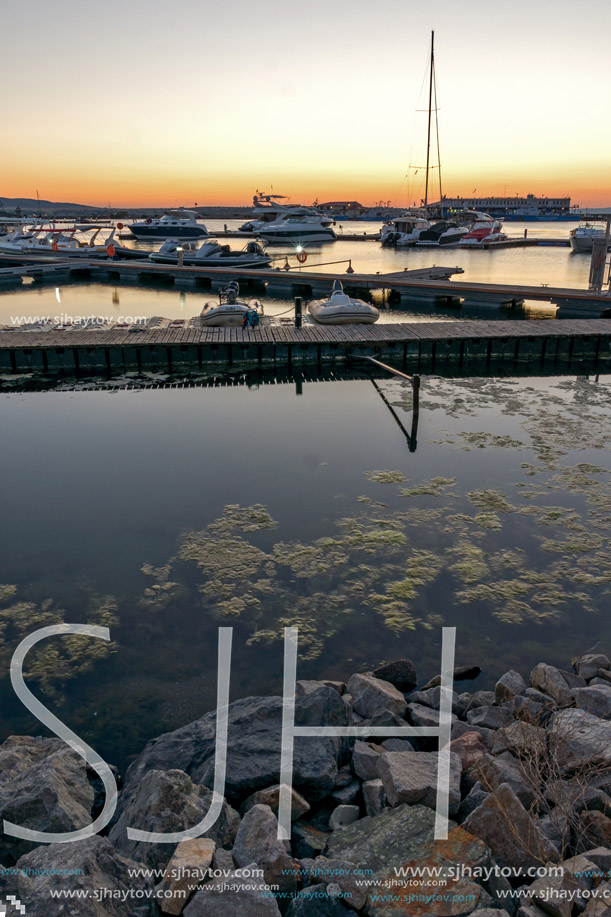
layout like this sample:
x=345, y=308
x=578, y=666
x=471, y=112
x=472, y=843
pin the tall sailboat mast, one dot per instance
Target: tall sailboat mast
x=428, y=136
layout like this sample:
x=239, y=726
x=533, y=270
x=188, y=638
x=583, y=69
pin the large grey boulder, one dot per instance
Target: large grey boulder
x=492, y=771
x=364, y=760
x=548, y=680
x=348, y=876
x=580, y=739
x=253, y=753
x=432, y=698
x=522, y=739
x=371, y=695
x=83, y=866
x=257, y=838
x=401, y=674
x=420, y=715
x=587, y=666
x=251, y=896
x=506, y=827
x=44, y=786
x=595, y=699
x=167, y=802
x=411, y=777
x=404, y=838
x=509, y=685
x=270, y=796
x=490, y=717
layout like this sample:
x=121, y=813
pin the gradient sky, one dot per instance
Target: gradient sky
x=146, y=102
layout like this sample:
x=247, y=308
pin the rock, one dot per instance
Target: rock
x=509, y=685
x=486, y=735
x=252, y=898
x=475, y=798
x=461, y=673
x=344, y=815
x=572, y=680
x=481, y=699
x=386, y=718
x=374, y=796
x=257, y=838
x=168, y=801
x=587, y=666
x=491, y=772
x=90, y=864
x=603, y=675
x=490, y=717
x=542, y=892
x=411, y=777
x=557, y=827
x=469, y=748
x=254, y=741
x=346, y=795
x=432, y=698
x=222, y=859
x=540, y=698
x=307, y=840
x=372, y=695
x=594, y=830
x=346, y=875
x=188, y=866
x=306, y=686
x=576, y=795
x=531, y=911
x=599, y=906
x=344, y=777
x=548, y=680
x=404, y=837
x=521, y=739
x=44, y=786
x=364, y=760
x=489, y=912
x=401, y=674
x=596, y=699
x=316, y=902
x=505, y=826
x=579, y=738
x=601, y=857
x=528, y=711
x=397, y=745
x=419, y=715
x=271, y=797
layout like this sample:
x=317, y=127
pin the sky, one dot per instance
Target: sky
x=150, y=103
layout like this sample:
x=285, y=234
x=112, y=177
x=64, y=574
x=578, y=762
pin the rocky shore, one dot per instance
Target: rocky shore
x=529, y=802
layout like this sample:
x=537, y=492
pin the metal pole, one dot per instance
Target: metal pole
x=298, y=311
x=428, y=141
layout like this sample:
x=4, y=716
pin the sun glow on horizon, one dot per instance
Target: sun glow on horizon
x=202, y=104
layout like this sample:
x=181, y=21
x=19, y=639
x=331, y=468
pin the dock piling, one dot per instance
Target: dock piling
x=298, y=311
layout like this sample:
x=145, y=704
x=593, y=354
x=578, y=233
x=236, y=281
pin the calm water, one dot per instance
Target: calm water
x=166, y=513
x=551, y=265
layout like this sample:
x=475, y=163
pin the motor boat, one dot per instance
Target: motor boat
x=267, y=208
x=211, y=254
x=230, y=312
x=341, y=309
x=65, y=243
x=445, y=232
x=484, y=232
x=180, y=224
x=404, y=230
x=298, y=225
x=583, y=236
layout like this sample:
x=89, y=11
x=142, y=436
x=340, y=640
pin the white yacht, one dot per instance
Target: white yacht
x=182, y=224
x=211, y=254
x=302, y=226
x=67, y=242
x=341, y=309
x=583, y=236
x=267, y=208
x=404, y=230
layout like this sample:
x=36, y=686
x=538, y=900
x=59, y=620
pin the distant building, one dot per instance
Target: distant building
x=341, y=208
x=508, y=206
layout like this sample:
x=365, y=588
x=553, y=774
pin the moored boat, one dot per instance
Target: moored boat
x=230, y=312
x=484, y=232
x=341, y=309
x=586, y=233
x=211, y=254
x=297, y=226
x=181, y=224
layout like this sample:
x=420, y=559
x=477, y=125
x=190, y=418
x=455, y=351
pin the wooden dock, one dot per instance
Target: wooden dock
x=407, y=345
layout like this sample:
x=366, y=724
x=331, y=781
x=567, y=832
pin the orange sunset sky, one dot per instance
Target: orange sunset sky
x=153, y=104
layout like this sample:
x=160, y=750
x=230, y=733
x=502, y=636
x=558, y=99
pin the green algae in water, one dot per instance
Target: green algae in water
x=385, y=477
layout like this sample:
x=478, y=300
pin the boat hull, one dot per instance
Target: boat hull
x=143, y=231
x=313, y=235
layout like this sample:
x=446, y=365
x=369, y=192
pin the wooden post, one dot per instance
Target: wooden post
x=298, y=311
